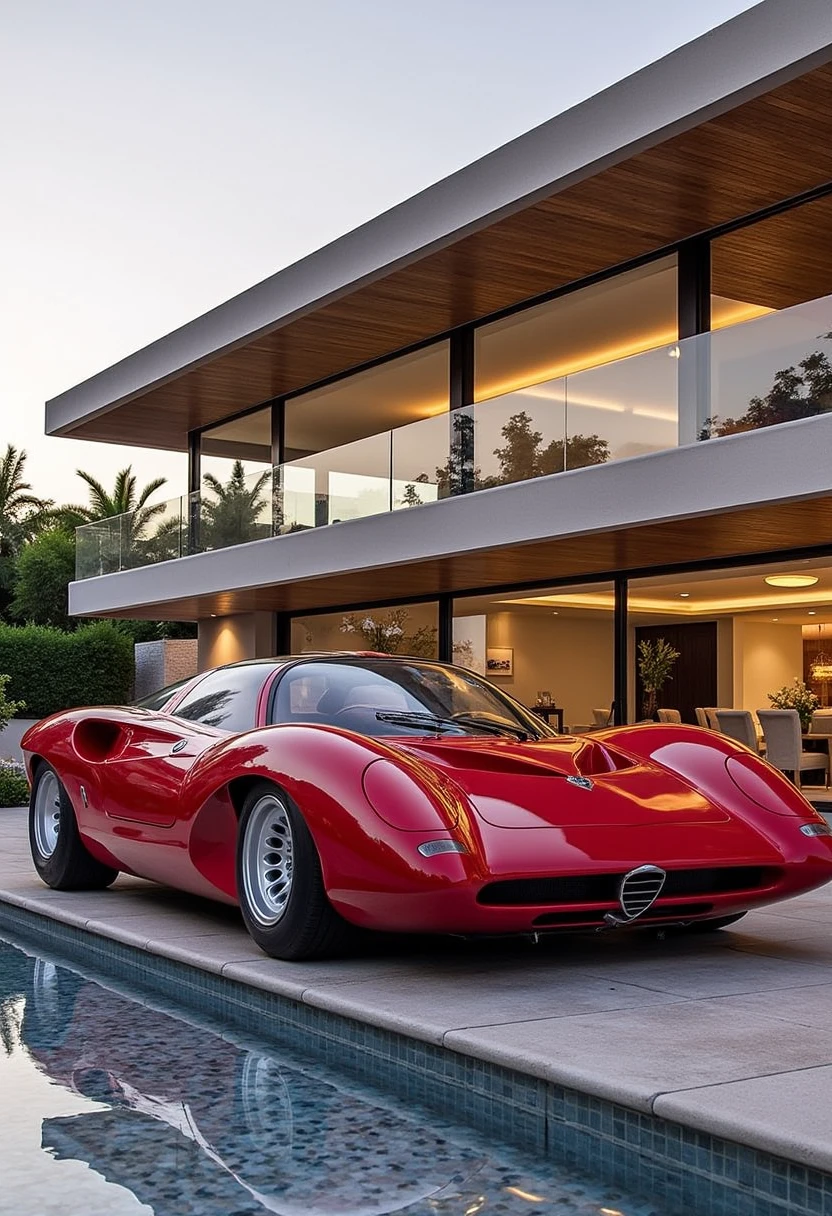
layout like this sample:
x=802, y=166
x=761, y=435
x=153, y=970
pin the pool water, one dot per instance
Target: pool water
x=114, y=1104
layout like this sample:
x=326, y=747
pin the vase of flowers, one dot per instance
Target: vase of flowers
x=796, y=696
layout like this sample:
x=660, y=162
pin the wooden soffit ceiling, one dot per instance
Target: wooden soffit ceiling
x=772, y=528
x=768, y=149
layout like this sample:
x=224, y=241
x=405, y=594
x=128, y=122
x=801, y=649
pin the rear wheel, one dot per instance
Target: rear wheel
x=60, y=857
x=279, y=881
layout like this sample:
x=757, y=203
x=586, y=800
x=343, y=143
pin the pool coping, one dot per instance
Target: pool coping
x=519, y=1096
x=690, y=1169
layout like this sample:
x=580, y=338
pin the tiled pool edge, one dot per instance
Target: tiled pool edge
x=687, y=1168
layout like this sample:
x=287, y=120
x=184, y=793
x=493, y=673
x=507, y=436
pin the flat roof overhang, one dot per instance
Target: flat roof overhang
x=726, y=126
x=767, y=491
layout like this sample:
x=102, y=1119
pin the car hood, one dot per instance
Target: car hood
x=527, y=785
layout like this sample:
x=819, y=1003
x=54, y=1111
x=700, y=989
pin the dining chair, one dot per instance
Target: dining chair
x=739, y=724
x=821, y=722
x=701, y=717
x=602, y=717
x=710, y=714
x=669, y=715
x=784, y=745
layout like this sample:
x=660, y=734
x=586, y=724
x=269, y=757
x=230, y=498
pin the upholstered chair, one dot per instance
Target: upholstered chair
x=784, y=745
x=739, y=725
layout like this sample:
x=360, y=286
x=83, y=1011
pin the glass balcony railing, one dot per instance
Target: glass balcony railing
x=776, y=368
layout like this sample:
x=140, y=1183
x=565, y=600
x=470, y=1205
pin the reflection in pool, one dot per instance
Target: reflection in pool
x=125, y=1108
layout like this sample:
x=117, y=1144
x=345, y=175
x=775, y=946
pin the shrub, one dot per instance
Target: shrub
x=45, y=568
x=51, y=670
x=8, y=708
x=14, y=788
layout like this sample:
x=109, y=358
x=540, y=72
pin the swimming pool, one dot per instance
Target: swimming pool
x=117, y=1104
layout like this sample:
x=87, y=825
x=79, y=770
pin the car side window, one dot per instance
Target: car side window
x=155, y=700
x=225, y=699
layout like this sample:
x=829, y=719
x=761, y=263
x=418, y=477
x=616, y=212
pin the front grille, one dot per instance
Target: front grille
x=604, y=888
x=639, y=889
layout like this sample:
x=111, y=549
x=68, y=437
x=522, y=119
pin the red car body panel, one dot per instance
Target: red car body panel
x=158, y=796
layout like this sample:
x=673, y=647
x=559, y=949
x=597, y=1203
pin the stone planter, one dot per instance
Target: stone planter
x=164, y=662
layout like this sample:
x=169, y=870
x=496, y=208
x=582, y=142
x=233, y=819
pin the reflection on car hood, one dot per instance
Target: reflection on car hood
x=523, y=785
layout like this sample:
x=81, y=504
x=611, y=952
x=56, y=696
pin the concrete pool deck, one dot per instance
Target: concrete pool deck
x=727, y=1033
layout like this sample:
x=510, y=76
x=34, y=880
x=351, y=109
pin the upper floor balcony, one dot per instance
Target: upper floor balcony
x=772, y=369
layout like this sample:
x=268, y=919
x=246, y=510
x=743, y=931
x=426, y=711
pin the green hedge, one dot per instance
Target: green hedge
x=52, y=670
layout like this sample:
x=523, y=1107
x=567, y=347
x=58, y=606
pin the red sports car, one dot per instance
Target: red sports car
x=325, y=792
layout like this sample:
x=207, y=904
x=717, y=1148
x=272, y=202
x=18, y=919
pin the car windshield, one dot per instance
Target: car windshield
x=396, y=697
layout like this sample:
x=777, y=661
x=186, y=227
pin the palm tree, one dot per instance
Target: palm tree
x=127, y=535
x=122, y=500
x=236, y=514
x=22, y=513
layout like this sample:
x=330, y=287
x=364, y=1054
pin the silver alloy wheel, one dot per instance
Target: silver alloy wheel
x=267, y=859
x=46, y=817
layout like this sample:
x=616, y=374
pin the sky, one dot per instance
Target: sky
x=160, y=156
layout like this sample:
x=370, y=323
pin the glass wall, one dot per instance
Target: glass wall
x=403, y=390
x=247, y=440
x=553, y=413
x=552, y=649
x=412, y=629
x=738, y=635
x=778, y=368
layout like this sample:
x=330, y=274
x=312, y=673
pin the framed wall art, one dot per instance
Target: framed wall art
x=499, y=661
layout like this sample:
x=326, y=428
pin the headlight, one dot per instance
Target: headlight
x=765, y=786
x=816, y=829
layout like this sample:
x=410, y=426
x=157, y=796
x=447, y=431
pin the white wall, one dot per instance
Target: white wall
x=572, y=658
x=226, y=639
x=766, y=656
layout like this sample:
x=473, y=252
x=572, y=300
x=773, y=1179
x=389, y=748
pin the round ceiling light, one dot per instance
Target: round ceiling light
x=791, y=580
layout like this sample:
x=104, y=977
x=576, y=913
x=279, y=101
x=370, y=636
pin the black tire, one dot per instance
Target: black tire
x=66, y=865
x=306, y=926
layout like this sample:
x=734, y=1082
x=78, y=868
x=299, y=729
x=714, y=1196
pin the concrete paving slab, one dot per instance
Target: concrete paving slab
x=797, y=1006
x=714, y=973
x=430, y=1005
x=633, y=1056
x=788, y=1114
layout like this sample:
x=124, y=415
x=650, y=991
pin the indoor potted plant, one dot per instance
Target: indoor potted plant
x=655, y=664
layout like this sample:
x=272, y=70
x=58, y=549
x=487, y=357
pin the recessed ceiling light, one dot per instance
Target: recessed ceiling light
x=775, y=618
x=791, y=580
x=812, y=612
x=555, y=614
x=684, y=595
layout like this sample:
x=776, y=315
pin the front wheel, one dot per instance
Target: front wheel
x=279, y=881
x=60, y=856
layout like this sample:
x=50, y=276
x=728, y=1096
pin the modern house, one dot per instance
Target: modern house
x=575, y=395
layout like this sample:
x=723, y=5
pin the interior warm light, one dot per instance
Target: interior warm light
x=677, y=605
x=725, y=312
x=568, y=367
x=812, y=612
x=791, y=580
x=684, y=595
